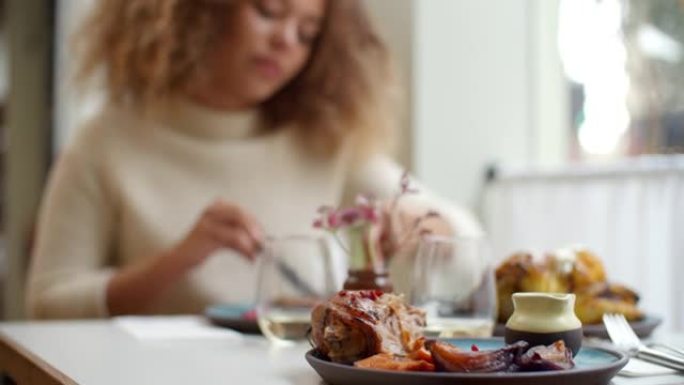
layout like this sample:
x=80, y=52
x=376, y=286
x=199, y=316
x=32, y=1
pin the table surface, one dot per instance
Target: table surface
x=99, y=352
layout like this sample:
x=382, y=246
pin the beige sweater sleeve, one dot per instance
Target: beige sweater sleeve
x=68, y=273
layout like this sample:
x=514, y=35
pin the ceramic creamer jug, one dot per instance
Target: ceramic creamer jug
x=544, y=318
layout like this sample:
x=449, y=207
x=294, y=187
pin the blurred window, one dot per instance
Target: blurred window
x=625, y=66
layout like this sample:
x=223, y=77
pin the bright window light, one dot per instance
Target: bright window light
x=593, y=54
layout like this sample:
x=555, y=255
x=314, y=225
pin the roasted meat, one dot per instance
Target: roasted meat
x=354, y=325
x=375, y=330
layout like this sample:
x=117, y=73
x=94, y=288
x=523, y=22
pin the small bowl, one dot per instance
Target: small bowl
x=544, y=318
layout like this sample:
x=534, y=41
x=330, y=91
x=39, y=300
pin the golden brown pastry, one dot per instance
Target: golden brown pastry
x=587, y=271
x=521, y=273
x=602, y=298
x=576, y=271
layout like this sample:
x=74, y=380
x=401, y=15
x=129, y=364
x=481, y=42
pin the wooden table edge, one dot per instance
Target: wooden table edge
x=26, y=368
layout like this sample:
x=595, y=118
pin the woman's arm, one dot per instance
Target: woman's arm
x=222, y=225
x=132, y=290
x=71, y=274
x=69, y=269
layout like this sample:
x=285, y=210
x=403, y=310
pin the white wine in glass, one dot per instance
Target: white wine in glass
x=295, y=275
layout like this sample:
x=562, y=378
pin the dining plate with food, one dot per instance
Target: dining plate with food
x=240, y=317
x=370, y=337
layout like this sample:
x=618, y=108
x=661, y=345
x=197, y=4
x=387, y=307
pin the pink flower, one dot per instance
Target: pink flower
x=364, y=212
x=361, y=221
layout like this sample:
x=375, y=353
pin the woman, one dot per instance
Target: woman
x=226, y=120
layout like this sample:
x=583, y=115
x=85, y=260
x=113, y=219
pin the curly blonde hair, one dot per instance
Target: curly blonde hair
x=149, y=50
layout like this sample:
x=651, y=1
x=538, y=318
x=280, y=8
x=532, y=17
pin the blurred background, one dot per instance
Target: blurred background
x=557, y=121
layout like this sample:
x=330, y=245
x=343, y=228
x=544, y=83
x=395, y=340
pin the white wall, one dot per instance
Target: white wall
x=550, y=104
x=395, y=19
x=480, y=91
x=471, y=91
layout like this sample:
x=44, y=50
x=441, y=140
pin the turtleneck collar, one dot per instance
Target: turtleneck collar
x=190, y=118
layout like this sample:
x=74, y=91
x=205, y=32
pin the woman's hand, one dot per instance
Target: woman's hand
x=134, y=289
x=401, y=226
x=221, y=225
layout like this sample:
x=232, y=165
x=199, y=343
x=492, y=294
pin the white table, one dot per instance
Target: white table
x=101, y=353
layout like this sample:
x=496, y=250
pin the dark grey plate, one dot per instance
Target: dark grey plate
x=232, y=316
x=643, y=328
x=594, y=366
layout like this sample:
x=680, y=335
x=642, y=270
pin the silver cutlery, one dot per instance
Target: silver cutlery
x=671, y=349
x=625, y=339
x=293, y=278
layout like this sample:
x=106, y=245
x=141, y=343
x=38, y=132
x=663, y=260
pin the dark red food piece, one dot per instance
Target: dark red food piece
x=553, y=357
x=249, y=315
x=449, y=358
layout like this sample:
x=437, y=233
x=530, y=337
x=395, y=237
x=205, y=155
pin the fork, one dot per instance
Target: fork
x=625, y=339
x=679, y=352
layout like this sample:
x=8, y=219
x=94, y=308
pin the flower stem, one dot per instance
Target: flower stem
x=340, y=243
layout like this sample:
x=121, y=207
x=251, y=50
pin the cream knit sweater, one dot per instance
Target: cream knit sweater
x=128, y=188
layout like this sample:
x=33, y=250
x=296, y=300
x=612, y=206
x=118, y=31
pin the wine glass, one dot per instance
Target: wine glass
x=454, y=283
x=295, y=275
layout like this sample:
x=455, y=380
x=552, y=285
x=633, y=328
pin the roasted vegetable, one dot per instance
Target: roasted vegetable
x=449, y=358
x=386, y=361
